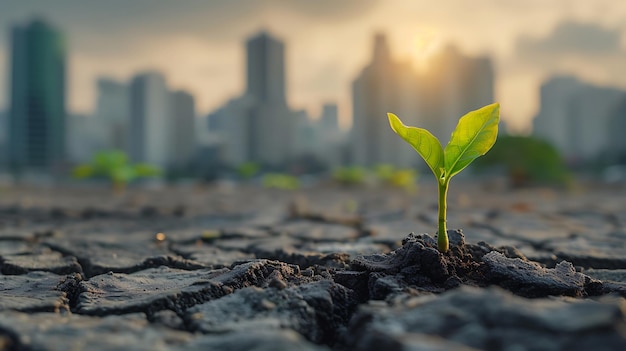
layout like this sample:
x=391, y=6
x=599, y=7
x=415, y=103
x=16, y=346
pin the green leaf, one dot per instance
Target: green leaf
x=426, y=144
x=473, y=137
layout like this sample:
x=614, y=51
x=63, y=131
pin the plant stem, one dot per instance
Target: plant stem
x=442, y=237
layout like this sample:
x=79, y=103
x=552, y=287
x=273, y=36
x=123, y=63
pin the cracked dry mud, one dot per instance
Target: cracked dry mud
x=252, y=269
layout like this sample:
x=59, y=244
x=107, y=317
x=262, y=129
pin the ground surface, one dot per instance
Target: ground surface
x=325, y=268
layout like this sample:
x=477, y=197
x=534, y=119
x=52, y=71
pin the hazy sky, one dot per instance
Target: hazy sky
x=199, y=44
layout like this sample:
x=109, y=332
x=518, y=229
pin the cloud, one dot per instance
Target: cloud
x=117, y=37
x=572, y=38
x=96, y=24
x=589, y=51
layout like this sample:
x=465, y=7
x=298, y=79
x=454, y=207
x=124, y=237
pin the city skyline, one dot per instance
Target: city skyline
x=327, y=43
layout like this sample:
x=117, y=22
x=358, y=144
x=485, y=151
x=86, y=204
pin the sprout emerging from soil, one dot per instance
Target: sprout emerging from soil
x=352, y=175
x=114, y=166
x=474, y=135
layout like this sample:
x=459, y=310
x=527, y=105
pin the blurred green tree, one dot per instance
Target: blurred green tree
x=526, y=161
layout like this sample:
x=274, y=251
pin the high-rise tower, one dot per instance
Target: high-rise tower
x=149, y=132
x=183, y=128
x=113, y=112
x=266, y=69
x=259, y=126
x=37, y=99
x=384, y=85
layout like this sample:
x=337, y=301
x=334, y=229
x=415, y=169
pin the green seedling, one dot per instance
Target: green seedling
x=247, y=170
x=474, y=135
x=384, y=172
x=387, y=174
x=404, y=179
x=114, y=166
x=352, y=175
x=280, y=181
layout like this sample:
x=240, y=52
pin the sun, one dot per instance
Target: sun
x=426, y=42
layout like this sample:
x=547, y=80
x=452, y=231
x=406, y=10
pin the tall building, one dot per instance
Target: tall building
x=183, y=128
x=106, y=129
x=271, y=123
x=330, y=117
x=383, y=86
x=553, y=117
x=265, y=63
x=331, y=138
x=578, y=118
x=258, y=126
x=617, y=126
x=3, y=127
x=307, y=135
x=149, y=131
x=86, y=135
x=113, y=112
x=37, y=115
x=319, y=140
x=3, y=139
x=231, y=132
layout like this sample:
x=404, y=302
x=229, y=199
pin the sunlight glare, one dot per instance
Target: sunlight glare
x=426, y=43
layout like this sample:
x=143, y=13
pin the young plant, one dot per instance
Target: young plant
x=352, y=175
x=280, y=181
x=474, y=135
x=404, y=179
x=384, y=172
x=114, y=166
x=387, y=174
x=247, y=170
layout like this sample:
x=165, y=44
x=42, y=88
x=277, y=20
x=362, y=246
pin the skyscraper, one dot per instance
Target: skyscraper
x=265, y=63
x=183, y=128
x=3, y=138
x=86, y=136
x=3, y=127
x=579, y=118
x=617, y=126
x=149, y=132
x=113, y=112
x=270, y=122
x=331, y=138
x=258, y=126
x=384, y=85
x=330, y=118
x=37, y=99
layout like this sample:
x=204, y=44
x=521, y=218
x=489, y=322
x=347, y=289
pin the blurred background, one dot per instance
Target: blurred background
x=211, y=89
